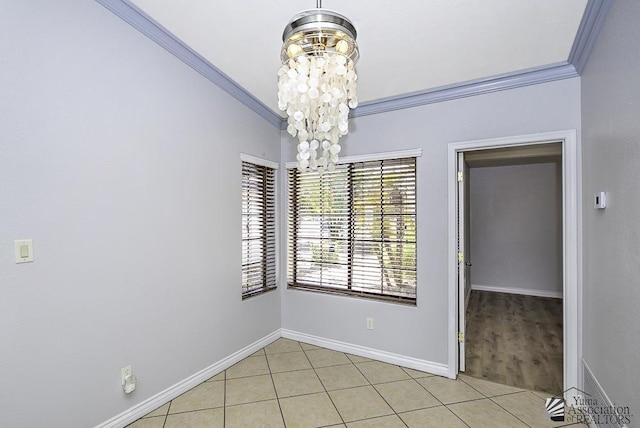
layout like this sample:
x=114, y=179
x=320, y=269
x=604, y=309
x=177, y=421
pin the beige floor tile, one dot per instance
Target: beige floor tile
x=282, y=345
x=489, y=389
x=416, y=374
x=207, y=395
x=449, y=391
x=264, y=414
x=250, y=366
x=392, y=421
x=543, y=395
x=249, y=389
x=485, y=413
x=406, y=395
x=219, y=376
x=258, y=353
x=160, y=411
x=434, y=417
x=154, y=422
x=288, y=361
x=340, y=377
x=326, y=358
x=529, y=408
x=212, y=418
x=308, y=346
x=300, y=382
x=358, y=359
x=355, y=404
x=378, y=372
x=313, y=410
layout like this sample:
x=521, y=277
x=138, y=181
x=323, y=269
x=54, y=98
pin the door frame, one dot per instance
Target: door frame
x=572, y=253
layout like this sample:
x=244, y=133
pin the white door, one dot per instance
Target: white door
x=464, y=277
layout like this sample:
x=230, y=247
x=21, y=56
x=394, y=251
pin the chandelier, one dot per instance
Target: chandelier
x=317, y=84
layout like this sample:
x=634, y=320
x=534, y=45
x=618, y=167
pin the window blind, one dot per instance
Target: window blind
x=353, y=231
x=258, y=229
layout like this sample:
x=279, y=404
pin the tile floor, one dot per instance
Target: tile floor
x=293, y=384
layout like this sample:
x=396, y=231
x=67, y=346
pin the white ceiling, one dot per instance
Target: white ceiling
x=405, y=47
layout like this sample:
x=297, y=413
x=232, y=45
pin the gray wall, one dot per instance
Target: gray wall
x=122, y=164
x=516, y=227
x=421, y=332
x=611, y=163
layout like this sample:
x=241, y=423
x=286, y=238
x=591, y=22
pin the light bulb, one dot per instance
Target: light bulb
x=293, y=50
x=342, y=46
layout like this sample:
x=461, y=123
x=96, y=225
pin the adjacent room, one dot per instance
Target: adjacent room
x=231, y=214
x=514, y=310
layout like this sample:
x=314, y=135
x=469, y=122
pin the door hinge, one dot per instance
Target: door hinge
x=460, y=256
x=460, y=176
x=460, y=337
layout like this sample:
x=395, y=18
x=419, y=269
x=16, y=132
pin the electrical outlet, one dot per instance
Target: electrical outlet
x=126, y=371
x=369, y=323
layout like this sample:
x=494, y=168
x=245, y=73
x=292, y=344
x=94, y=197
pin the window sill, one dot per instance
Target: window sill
x=404, y=301
x=258, y=293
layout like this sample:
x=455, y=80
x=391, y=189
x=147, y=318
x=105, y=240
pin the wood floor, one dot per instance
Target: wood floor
x=515, y=340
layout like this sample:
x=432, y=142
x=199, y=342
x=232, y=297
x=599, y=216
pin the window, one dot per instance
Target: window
x=353, y=231
x=258, y=229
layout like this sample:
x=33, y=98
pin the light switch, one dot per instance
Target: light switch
x=24, y=250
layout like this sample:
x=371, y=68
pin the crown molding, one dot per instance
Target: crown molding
x=156, y=32
x=588, y=31
x=470, y=88
x=590, y=25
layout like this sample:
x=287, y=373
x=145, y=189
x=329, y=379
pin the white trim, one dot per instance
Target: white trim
x=412, y=153
x=375, y=354
x=514, y=290
x=259, y=161
x=571, y=243
x=139, y=410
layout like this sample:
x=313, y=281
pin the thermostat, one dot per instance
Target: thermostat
x=600, y=200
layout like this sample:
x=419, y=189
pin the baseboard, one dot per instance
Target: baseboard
x=139, y=410
x=599, y=409
x=524, y=291
x=375, y=354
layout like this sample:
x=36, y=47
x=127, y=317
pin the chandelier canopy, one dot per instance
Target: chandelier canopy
x=317, y=84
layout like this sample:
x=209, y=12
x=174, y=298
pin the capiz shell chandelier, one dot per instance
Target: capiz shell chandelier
x=317, y=84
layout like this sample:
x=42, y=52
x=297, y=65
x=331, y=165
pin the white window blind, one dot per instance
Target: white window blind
x=258, y=229
x=353, y=231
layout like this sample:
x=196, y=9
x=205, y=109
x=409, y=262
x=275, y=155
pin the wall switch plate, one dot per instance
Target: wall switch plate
x=23, y=250
x=600, y=200
x=369, y=323
x=125, y=372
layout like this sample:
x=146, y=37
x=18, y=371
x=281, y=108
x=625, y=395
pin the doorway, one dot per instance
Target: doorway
x=513, y=235
x=570, y=207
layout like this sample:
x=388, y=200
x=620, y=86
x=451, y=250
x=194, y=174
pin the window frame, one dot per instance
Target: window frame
x=364, y=291
x=268, y=221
